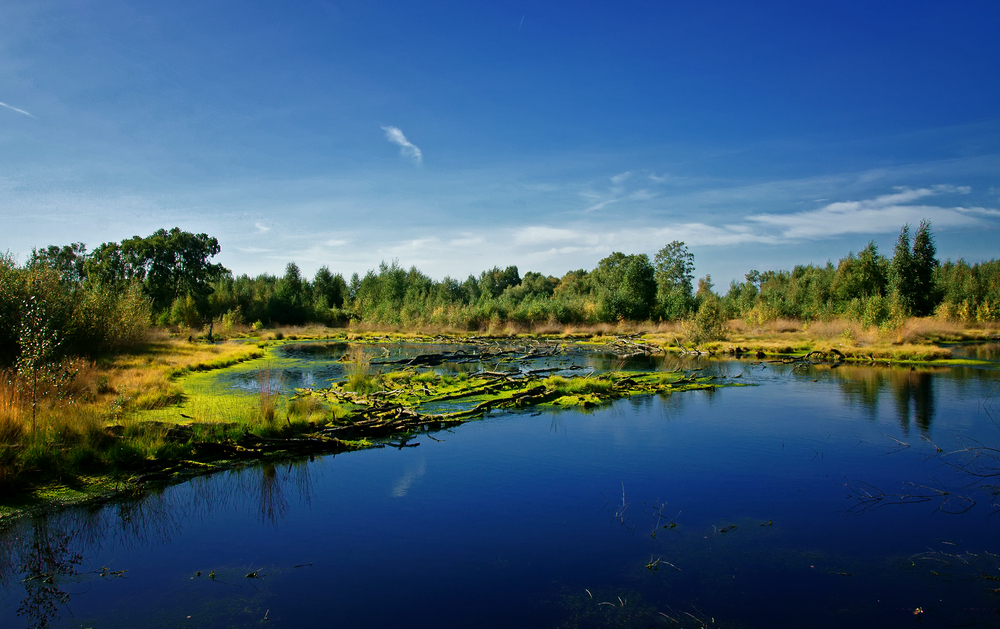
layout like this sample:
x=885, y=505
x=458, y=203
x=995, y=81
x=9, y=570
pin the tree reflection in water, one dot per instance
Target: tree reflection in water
x=44, y=552
x=912, y=390
x=48, y=561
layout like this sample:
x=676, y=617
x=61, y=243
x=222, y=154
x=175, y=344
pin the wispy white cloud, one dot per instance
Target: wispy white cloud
x=406, y=148
x=615, y=193
x=600, y=205
x=261, y=227
x=882, y=214
x=598, y=238
x=20, y=111
x=621, y=178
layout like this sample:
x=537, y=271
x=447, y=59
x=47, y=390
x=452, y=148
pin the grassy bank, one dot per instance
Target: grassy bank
x=158, y=413
x=67, y=434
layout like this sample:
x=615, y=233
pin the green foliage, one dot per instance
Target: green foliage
x=625, y=287
x=710, y=321
x=494, y=282
x=359, y=375
x=864, y=276
x=69, y=261
x=926, y=294
x=969, y=293
x=102, y=301
x=674, y=276
x=184, y=312
x=866, y=287
x=168, y=265
x=579, y=386
x=36, y=364
x=902, y=273
x=329, y=290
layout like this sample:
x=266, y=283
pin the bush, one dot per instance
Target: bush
x=709, y=322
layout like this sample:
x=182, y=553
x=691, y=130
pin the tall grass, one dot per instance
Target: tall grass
x=11, y=405
x=270, y=385
x=578, y=386
x=89, y=424
x=359, y=372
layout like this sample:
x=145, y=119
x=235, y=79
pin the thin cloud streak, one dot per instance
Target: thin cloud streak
x=20, y=111
x=406, y=148
x=884, y=213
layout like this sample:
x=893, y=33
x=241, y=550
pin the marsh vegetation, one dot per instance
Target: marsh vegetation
x=93, y=345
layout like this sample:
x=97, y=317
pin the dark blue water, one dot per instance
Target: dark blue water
x=816, y=498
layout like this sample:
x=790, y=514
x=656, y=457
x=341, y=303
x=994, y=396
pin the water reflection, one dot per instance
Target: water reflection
x=318, y=364
x=746, y=499
x=46, y=564
x=413, y=473
x=912, y=390
x=915, y=393
x=981, y=351
x=44, y=554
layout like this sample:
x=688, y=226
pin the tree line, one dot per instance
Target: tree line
x=103, y=300
x=873, y=289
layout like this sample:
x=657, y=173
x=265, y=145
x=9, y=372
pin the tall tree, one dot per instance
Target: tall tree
x=673, y=270
x=289, y=301
x=329, y=287
x=925, y=265
x=168, y=264
x=902, y=273
x=625, y=286
x=69, y=261
x=494, y=282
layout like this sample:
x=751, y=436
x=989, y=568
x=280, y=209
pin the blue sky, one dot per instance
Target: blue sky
x=456, y=136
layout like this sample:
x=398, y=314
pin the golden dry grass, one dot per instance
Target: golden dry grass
x=147, y=379
x=71, y=418
x=140, y=381
x=913, y=339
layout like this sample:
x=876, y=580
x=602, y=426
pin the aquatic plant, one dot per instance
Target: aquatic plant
x=308, y=408
x=359, y=375
x=269, y=387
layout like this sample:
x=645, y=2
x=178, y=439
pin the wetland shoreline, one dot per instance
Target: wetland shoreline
x=378, y=400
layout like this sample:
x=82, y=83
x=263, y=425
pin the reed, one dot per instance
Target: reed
x=359, y=373
x=270, y=385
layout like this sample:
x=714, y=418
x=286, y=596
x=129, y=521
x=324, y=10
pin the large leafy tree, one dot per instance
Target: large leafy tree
x=494, y=282
x=69, y=261
x=625, y=287
x=169, y=265
x=673, y=271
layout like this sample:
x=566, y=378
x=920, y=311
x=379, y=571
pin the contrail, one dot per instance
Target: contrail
x=521, y=24
x=20, y=111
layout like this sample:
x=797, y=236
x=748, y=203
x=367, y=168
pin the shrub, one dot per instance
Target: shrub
x=709, y=322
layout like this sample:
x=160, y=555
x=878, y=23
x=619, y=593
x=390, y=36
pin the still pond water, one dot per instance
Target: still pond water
x=816, y=498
